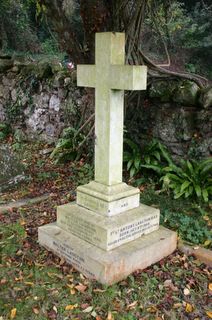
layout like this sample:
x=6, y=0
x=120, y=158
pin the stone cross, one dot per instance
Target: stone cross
x=101, y=234
x=110, y=77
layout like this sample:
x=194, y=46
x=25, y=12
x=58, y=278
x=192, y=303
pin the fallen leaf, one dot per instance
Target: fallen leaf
x=210, y=286
x=72, y=291
x=110, y=316
x=3, y=281
x=35, y=310
x=167, y=283
x=209, y=314
x=206, y=243
x=88, y=309
x=186, y=291
x=22, y=222
x=93, y=313
x=29, y=283
x=132, y=305
x=189, y=308
x=152, y=309
x=80, y=287
x=97, y=318
x=98, y=290
x=84, y=306
x=177, y=305
x=71, y=307
x=55, y=309
x=13, y=313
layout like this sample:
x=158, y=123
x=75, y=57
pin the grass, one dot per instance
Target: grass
x=41, y=286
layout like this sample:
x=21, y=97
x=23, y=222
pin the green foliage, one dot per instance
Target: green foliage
x=191, y=179
x=190, y=220
x=17, y=27
x=132, y=156
x=82, y=174
x=50, y=46
x=4, y=131
x=153, y=156
x=67, y=148
x=49, y=175
x=190, y=228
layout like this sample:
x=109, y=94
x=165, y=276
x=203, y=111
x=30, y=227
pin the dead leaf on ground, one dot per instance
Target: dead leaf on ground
x=209, y=314
x=80, y=287
x=186, y=291
x=98, y=290
x=13, y=313
x=71, y=307
x=110, y=316
x=132, y=305
x=189, y=308
x=35, y=310
x=88, y=309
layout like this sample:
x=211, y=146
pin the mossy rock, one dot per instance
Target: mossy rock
x=41, y=70
x=5, y=64
x=163, y=90
x=186, y=93
x=11, y=169
x=44, y=70
x=205, y=98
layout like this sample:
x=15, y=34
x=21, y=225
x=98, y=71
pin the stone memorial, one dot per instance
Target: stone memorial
x=107, y=234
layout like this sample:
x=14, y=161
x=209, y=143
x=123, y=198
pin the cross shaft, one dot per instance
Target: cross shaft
x=110, y=77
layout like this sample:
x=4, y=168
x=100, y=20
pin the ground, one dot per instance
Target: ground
x=35, y=284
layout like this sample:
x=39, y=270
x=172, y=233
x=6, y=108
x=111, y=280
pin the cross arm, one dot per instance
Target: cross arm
x=127, y=77
x=86, y=75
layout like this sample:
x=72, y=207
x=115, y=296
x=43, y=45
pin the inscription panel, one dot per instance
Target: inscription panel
x=132, y=230
x=75, y=259
x=83, y=229
x=107, y=208
x=106, y=232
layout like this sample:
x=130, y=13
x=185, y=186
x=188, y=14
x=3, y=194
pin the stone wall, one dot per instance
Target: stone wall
x=178, y=114
x=40, y=99
x=186, y=131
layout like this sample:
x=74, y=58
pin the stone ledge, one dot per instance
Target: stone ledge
x=202, y=254
x=107, y=232
x=108, y=200
x=113, y=266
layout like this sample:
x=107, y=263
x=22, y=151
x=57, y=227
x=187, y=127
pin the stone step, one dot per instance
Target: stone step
x=113, y=266
x=107, y=232
x=108, y=200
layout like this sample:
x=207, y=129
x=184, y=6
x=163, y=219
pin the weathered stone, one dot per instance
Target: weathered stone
x=1, y=91
x=205, y=98
x=2, y=113
x=107, y=232
x=113, y=266
x=54, y=103
x=108, y=200
x=110, y=77
x=162, y=90
x=11, y=170
x=186, y=93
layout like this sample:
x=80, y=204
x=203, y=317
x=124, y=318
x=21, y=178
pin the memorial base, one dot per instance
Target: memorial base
x=107, y=232
x=112, y=266
x=108, y=200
